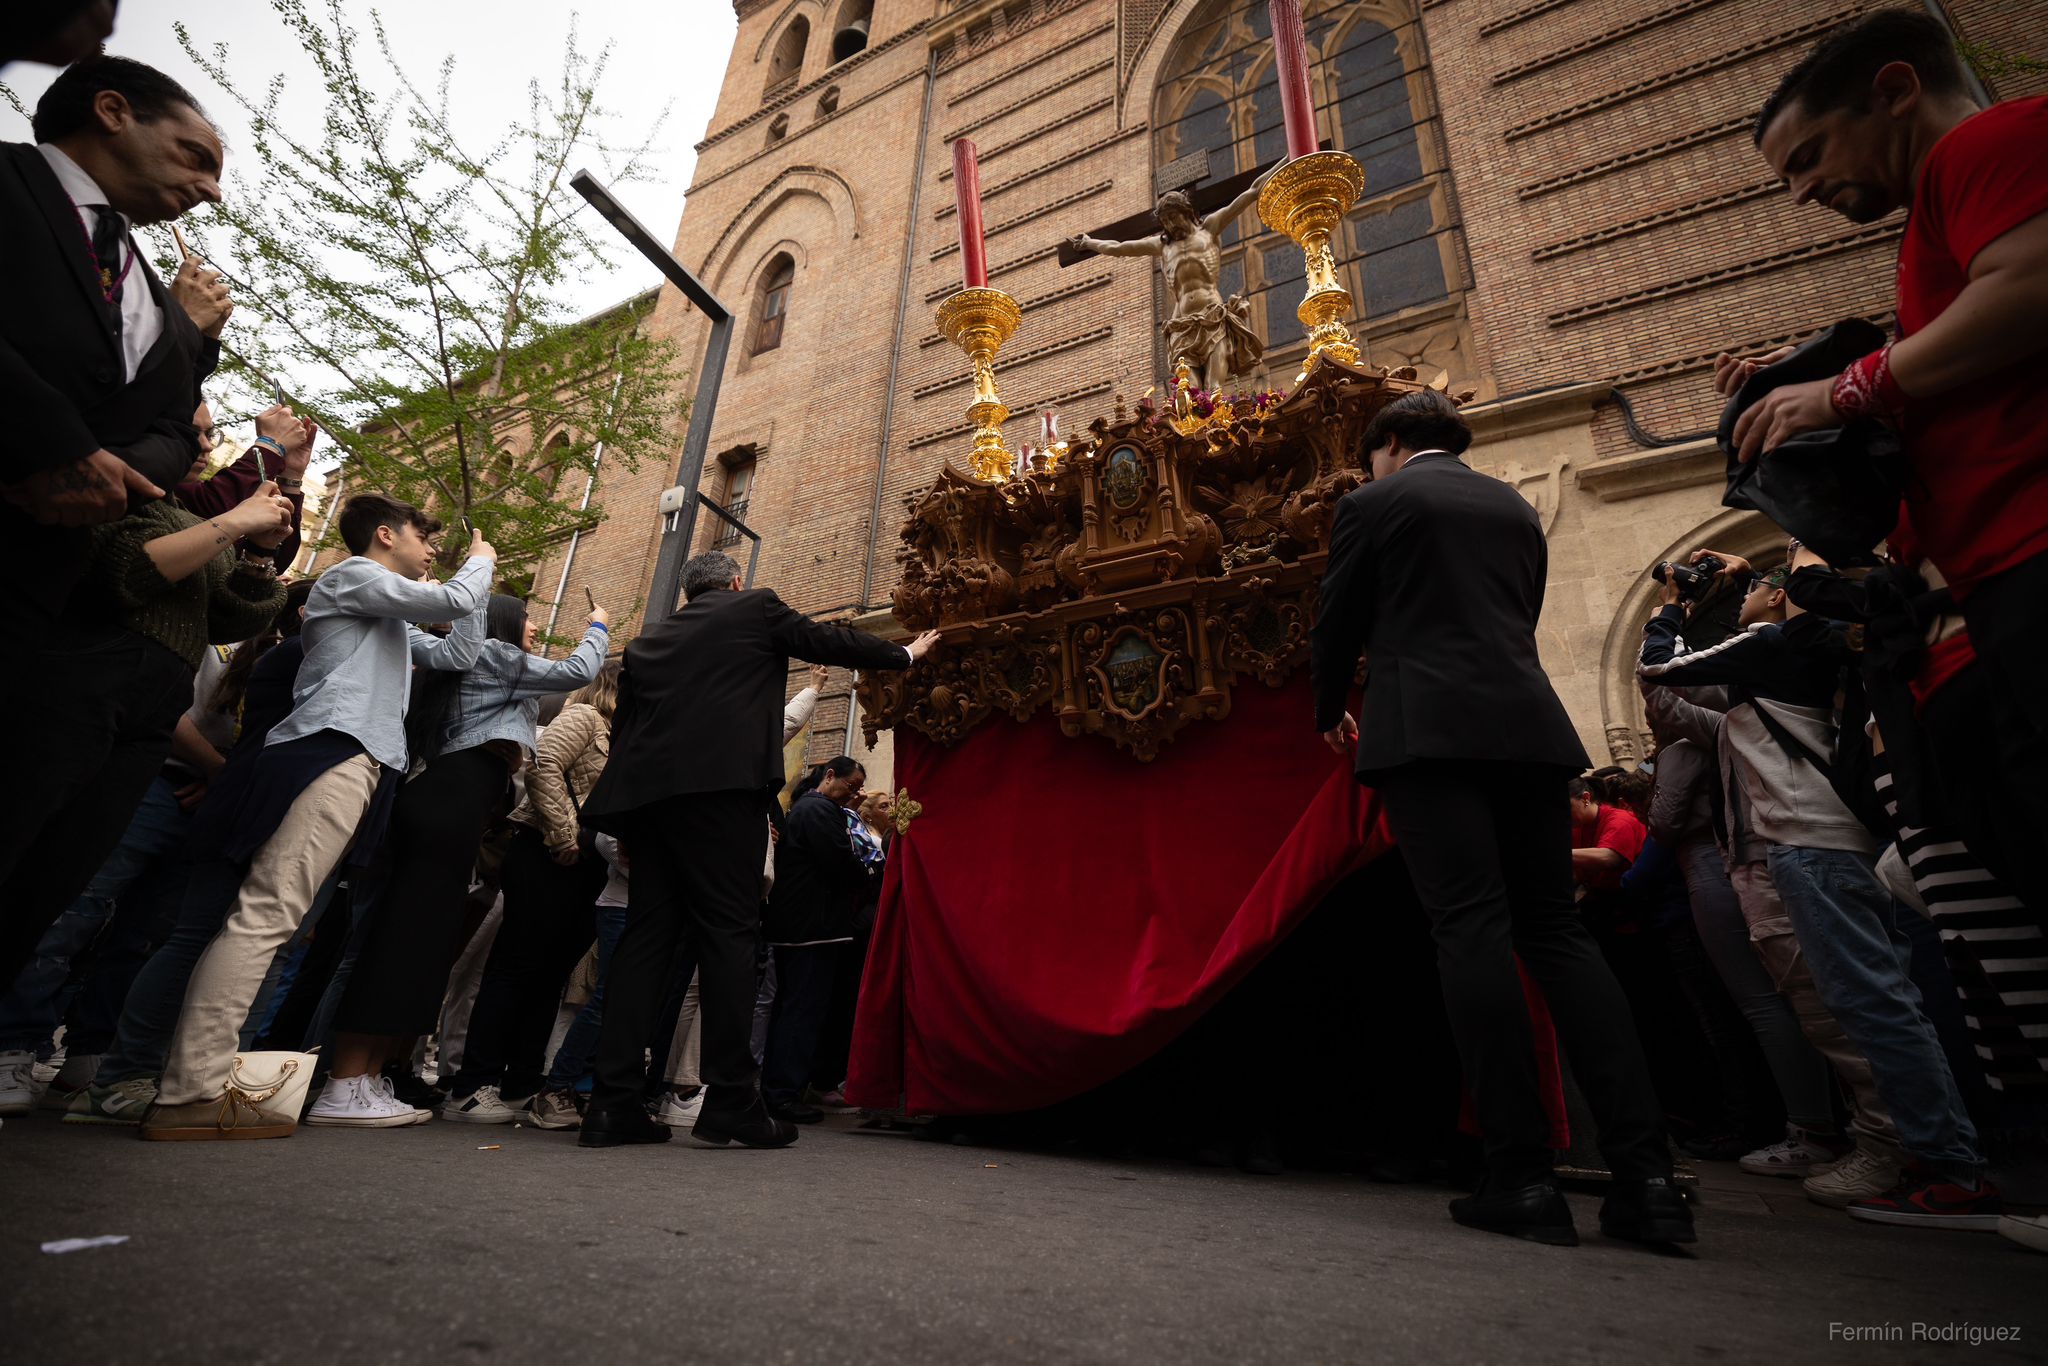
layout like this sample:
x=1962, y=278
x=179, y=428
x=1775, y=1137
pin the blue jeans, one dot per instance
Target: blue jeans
x=34, y=1005
x=143, y=1039
x=1861, y=961
x=1804, y=1082
x=579, y=1045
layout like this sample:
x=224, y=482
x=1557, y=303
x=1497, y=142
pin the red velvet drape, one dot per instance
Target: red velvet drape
x=1060, y=912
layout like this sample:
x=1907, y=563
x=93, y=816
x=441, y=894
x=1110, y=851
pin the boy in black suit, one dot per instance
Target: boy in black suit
x=1436, y=572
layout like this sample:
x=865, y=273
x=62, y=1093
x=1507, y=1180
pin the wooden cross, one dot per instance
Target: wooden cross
x=1186, y=174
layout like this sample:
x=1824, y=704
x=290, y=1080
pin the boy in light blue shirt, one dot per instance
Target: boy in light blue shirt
x=321, y=768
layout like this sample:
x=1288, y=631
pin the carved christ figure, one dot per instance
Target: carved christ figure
x=1214, y=337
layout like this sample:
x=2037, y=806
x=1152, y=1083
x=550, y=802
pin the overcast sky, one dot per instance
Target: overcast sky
x=664, y=53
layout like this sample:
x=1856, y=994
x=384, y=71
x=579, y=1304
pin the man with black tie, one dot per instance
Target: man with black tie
x=696, y=759
x=98, y=370
x=1436, y=572
x=97, y=362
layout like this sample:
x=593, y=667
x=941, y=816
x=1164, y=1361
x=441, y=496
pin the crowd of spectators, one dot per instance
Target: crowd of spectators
x=280, y=852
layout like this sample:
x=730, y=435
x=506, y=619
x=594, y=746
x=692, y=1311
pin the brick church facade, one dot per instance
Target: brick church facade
x=1563, y=210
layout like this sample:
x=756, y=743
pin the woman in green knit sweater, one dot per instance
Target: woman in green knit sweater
x=163, y=584
x=177, y=579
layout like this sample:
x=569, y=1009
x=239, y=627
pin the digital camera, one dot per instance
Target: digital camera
x=1693, y=580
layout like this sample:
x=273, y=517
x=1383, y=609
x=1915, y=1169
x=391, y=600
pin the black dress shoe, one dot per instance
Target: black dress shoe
x=1726, y=1147
x=1538, y=1213
x=1649, y=1211
x=1259, y=1155
x=1396, y=1169
x=796, y=1112
x=749, y=1124
x=611, y=1128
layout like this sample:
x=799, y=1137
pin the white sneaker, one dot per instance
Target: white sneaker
x=390, y=1090
x=483, y=1106
x=359, y=1103
x=1796, y=1155
x=678, y=1113
x=2028, y=1230
x=60, y=1053
x=18, y=1089
x=1863, y=1175
x=71, y=1080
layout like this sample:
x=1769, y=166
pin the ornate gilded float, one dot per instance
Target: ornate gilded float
x=1131, y=589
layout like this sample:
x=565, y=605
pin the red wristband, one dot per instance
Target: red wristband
x=1867, y=389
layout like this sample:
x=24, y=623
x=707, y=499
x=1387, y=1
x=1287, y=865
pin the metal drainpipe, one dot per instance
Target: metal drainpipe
x=867, y=578
x=589, y=484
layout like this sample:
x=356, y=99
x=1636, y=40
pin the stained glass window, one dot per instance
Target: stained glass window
x=1372, y=100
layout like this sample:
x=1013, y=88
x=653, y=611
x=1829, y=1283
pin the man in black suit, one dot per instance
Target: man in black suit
x=1436, y=572
x=696, y=759
x=97, y=362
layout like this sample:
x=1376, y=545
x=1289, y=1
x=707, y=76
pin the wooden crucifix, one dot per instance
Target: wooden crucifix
x=1184, y=230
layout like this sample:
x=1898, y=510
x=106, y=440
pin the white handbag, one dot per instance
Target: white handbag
x=266, y=1089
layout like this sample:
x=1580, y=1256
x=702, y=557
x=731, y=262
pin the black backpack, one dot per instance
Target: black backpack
x=1837, y=490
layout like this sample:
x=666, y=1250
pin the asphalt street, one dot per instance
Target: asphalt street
x=415, y=1245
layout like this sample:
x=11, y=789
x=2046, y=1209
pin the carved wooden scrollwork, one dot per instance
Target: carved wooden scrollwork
x=1020, y=671
x=1266, y=632
x=1131, y=588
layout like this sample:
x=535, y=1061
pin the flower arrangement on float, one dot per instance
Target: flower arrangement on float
x=1195, y=409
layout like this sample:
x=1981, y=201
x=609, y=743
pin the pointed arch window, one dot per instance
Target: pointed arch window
x=554, y=457
x=850, y=34
x=786, y=64
x=1218, y=92
x=773, y=306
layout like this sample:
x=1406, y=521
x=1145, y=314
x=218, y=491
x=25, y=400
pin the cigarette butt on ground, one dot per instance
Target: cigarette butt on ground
x=62, y=1245
x=488, y=1147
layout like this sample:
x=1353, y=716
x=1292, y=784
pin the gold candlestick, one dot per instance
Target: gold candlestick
x=1305, y=199
x=978, y=321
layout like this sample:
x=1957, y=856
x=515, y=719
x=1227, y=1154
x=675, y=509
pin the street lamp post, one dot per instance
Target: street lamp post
x=681, y=501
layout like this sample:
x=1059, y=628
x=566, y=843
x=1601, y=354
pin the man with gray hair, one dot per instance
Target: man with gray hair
x=696, y=759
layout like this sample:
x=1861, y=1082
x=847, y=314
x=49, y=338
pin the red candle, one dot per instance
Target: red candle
x=967, y=197
x=1290, y=51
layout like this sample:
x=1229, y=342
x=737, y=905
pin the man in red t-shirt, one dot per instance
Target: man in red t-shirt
x=1879, y=116
x=1606, y=839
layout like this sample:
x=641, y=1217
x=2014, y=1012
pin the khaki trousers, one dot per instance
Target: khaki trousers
x=464, y=981
x=283, y=879
x=1770, y=934
x=686, y=1051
